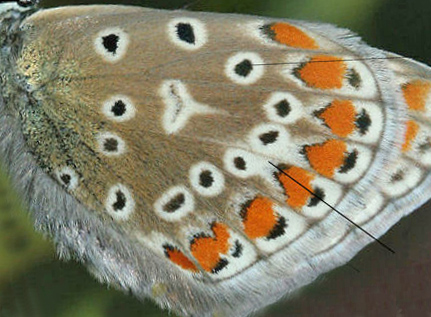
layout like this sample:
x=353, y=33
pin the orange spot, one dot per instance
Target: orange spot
x=415, y=94
x=297, y=195
x=259, y=218
x=180, y=259
x=207, y=250
x=411, y=132
x=323, y=72
x=292, y=36
x=327, y=157
x=340, y=116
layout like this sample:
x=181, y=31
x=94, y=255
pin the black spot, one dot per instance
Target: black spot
x=269, y=137
x=119, y=108
x=353, y=78
x=278, y=230
x=283, y=108
x=206, y=179
x=268, y=31
x=363, y=122
x=175, y=203
x=244, y=68
x=167, y=248
x=220, y=266
x=185, y=33
x=237, y=252
x=239, y=163
x=349, y=162
x=110, y=42
x=426, y=146
x=318, y=192
x=65, y=178
x=398, y=176
x=120, y=203
x=110, y=145
x=244, y=208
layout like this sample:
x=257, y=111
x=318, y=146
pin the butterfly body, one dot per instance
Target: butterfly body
x=146, y=143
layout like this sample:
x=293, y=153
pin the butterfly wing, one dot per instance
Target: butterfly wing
x=165, y=129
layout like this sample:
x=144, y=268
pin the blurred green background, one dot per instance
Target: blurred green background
x=34, y=283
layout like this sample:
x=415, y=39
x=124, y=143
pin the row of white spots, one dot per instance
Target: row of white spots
x=177, y=202
x=119, y=203
x=188, y=33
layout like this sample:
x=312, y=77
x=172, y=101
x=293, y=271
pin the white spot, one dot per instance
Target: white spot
x=244, y=68
x=119, y=108
x=272, y=140
x=179, y=106
x=175, y=203
x=187, y=33
x=405, y=176
x=420, y=146
x=206, y=179
x=67, y=177
x=373, y=205
x=120, y=203
x=111, y=144
x=111, y=44
x=283, y=107
x=244, y=164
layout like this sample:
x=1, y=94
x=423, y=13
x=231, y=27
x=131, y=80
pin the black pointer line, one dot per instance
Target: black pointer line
x=332, y=61
x=333, y=208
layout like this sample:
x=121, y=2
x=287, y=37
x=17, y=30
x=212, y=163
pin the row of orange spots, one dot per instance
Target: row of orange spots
x=411, y=132
x=259, y=218
x=297, y=196
x=323, y=72
x=207, y=250
x=340, y=117
x=326, y=157
x=416, y=93
x=289, y=35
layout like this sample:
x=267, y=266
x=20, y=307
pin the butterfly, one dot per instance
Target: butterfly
x=157, y=147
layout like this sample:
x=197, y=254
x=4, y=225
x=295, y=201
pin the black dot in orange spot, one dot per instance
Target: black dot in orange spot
x=239, y=163
x=363, y=122
x=425, y=146
x=244, y=68
x=120, y=201
x=353, y=78
x=314, y=200
x=221, y=264
x=175, y=203
x=349, y=162
x=110, y=145
x=269, y=137
x=398, y=176
x=278, y=230
x=110, y=42
x=283, y=108
x=185, y=33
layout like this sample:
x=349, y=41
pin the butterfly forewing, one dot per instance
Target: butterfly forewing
x=166, y=127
